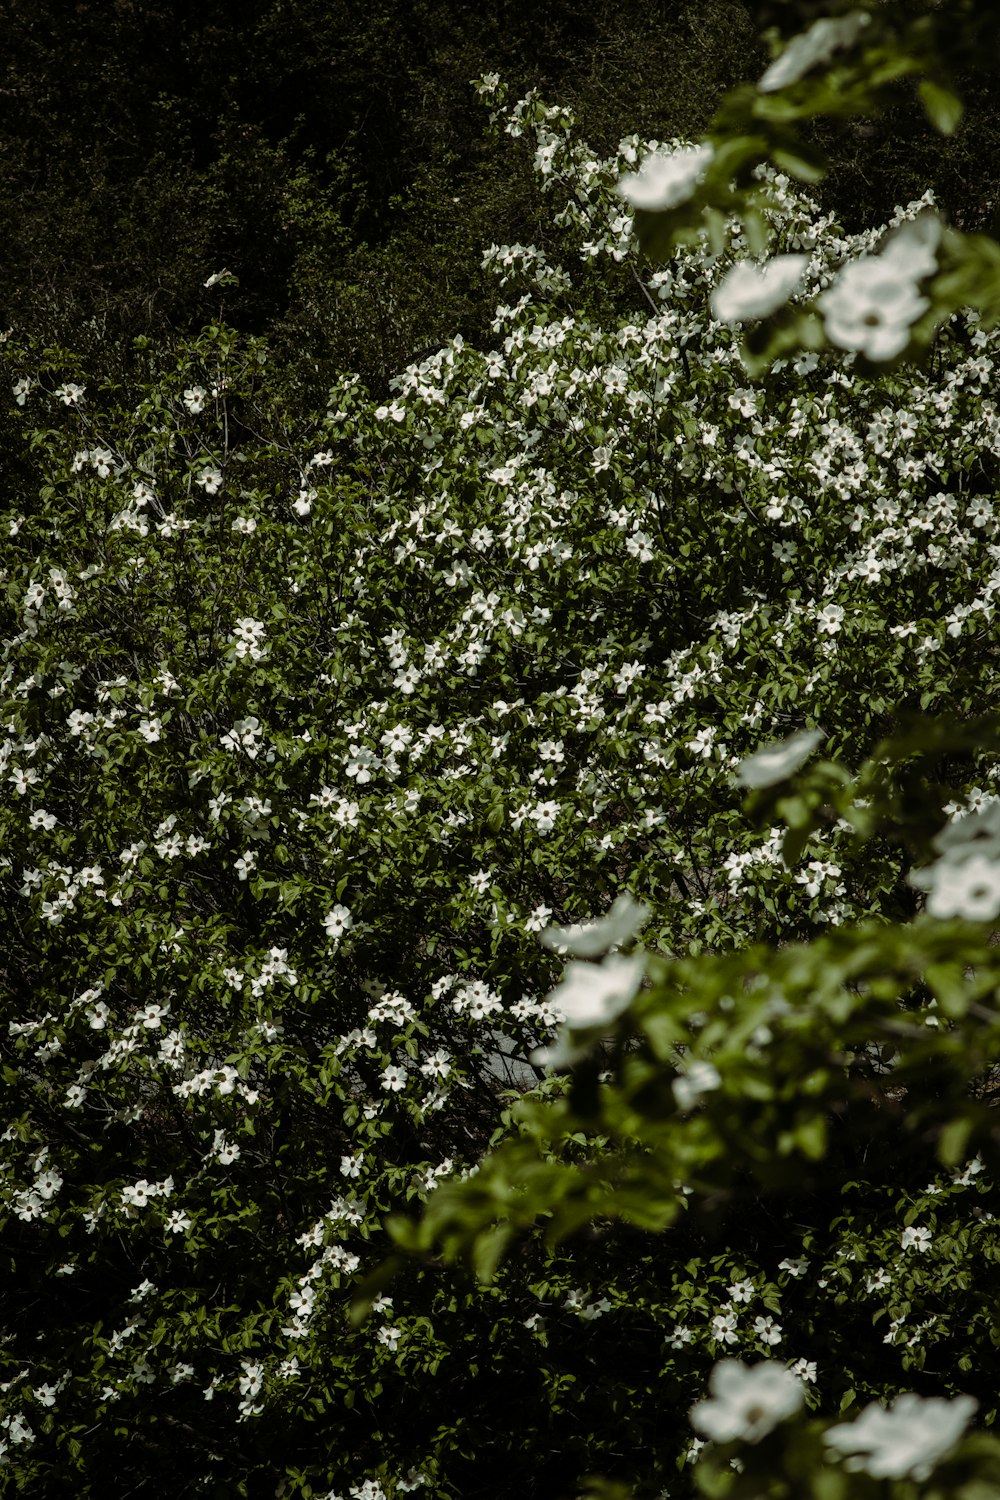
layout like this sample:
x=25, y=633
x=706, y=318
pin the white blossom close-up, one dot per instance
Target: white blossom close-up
x=775, y=762
x=590, y=939
x=698, y=1079
x=907, y=1440
x=666, y=178
x=967, y=887
x=590, y=996
x=748, y=292
x=812, y=47
x=597, y=994
x=871, y=307
x=747, y=1401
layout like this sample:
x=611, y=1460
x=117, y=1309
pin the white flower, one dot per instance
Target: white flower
x=545, y=815
x=217, y=276
x=69, y=394
x=748, y=1401
x=702, y=742
x=871, y=306
x=973, y=832
x=438, y=1065
x=137, y=1195
x=371, y=1489
x=98, y=1017
x=816, y=45
x=150, y=730
x=907, y=1440
x=590, y=996
x=48, y=1183
x=768, y=1330
x=700, y=1078
x=775, y=762
x=724, y=1327
x=210, y=480
x=194, y=399
x=968, y=1172
x=393, y=1078
x=749, y=291
x=829, y=619
x=596, y=994
x=917, y=1239
x=969, y=888
x=911, y=248
x=337, y=922
x=591, y=939
x=805, y=1369
x=665, y=179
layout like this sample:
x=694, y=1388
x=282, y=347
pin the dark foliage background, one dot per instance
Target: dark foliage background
x=333, y=154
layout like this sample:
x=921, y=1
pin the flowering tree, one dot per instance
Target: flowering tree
x=326, y=737
x=710, y=1088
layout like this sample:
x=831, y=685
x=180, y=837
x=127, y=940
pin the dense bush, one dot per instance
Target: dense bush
x=315, y=723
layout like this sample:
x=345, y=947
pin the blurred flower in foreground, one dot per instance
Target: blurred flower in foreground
x=590, y=996
x=700, y=1078
x=748, y=291
x=874, y=301
x=748, y=1401
x=906, y=1441
x=591, y=939
x=965, y=881
x=665, y=178
x=812, y=47
x=779, y=760
x=969, y=889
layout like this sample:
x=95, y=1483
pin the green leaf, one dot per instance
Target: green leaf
x=950, y=987
x=829, y=1483
x=943, y=108
x=953, y=1141
x=488, y=1249
x=810, y=1137
x=798, y=164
